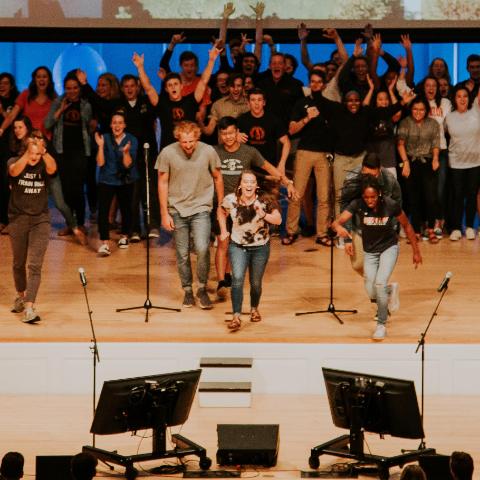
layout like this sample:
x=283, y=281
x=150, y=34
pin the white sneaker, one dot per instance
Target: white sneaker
x=455, y=235
x=104, y=250
x=470, y=233
x=379, y=333
x=30, y=316
x=393, y=298
x=340, y=243
x=154, y=233
x=123, y=242
x=135, y=237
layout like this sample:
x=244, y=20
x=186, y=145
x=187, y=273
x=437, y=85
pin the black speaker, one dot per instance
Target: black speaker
x=53, y=467
x=247, y=445
x=436, y=467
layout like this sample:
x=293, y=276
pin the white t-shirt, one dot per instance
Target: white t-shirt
x=439, y=114
x=464, y=131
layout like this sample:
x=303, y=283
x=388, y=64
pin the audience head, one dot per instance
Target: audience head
x=108, y=86
x=187, y=134
x=336, y=58
x=291, y=64
x=444, y=87
x=118, y=124
x=439, y=69
x=277, y=65
x=360, y=68
x=235, y=85
x=431, y=90
x=72, y=87
x=249, y=64
x=12, y=466
x=8, y=87
x=371, y=164
x=173, y=86
x=235, y=45
x=248, y=83
x=413, y=472
x=473, y=66
x=352, y=101
x=462, y=100
x=461, y=466
x=42, y=82
x=221, y=82
x=22, y=127
x=316, y=80
x=256, y=101
x=84, y=466
x=382, y=98
x=189, y=64
x=330, y=70
x=228, y=130
x=419, y=109
x=130, y=86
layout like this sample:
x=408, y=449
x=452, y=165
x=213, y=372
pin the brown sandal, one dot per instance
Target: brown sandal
x=255, y=315
x=324, y=240
x=235, y=324
x=432, y=238
x=289, y=239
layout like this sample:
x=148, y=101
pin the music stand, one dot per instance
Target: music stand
x=367, y=403
x=153, y=402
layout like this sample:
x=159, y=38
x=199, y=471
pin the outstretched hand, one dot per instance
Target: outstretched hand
x=302, y=31
x=138, y=60
x=258, y=9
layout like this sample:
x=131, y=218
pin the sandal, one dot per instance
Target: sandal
x=432, y=238
x=324, y=240
x=289, y=239
x=255, y=315
x=235, y=324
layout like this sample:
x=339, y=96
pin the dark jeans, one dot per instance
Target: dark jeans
x=72, y=166
x=422, y=194
x=124, y=195
x=196, y=227
x=465, y=183
x=255, y=259
x=442, y=185
x=91, y=182
x=29, y=237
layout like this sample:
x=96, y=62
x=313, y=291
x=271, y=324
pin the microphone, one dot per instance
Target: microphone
x=146, y=147
x=445, y=281
x=83, y=278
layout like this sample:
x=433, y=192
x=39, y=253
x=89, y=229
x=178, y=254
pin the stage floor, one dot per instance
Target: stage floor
x=59, y=425
x=297, y=279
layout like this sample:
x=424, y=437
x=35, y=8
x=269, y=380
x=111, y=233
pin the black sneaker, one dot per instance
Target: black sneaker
x=188, y=300
x=204, y=299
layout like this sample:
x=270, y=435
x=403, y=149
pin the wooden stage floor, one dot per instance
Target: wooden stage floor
x=297, y=279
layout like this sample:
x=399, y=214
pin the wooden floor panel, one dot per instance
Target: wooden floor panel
x=297, y=279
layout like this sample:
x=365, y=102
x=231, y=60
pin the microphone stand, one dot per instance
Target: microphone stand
x=331, y=234
x=421, y=344
x=147, y=306
x=94, y=350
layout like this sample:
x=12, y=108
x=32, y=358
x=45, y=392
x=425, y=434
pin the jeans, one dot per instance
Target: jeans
x=255, y=259
x=29, y=236
x=377, y=268
x=55, y=190
x=124, y=195
x=197, y=227
x=464, y=183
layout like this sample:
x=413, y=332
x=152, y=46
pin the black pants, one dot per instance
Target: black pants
x=422, y=194
x=465, y=184
x=4, y=191
x=72, y=166
x=124, y=195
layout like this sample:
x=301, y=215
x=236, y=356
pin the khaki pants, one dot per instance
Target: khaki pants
x=357, y=257
x=342, y=165
x=305, y=162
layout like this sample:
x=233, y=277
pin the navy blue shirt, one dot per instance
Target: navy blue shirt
x=113, y=171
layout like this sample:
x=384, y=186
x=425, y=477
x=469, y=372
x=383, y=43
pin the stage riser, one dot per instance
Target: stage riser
x=66, y=368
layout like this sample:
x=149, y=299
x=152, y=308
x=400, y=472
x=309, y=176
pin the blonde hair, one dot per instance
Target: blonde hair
x=114, y=84
x=186, y=127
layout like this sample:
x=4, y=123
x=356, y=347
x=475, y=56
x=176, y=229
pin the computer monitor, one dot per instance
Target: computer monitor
x=373, y=403
x=154, y=401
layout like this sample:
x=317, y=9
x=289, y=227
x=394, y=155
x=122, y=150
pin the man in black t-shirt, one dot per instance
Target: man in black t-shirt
x=314, y=146
x=263, y=130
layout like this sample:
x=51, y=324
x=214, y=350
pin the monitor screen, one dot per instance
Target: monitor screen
x=145, y=402
x=386, y=405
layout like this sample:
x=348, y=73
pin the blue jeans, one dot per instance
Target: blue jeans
x=377, y=268
x=253, y=258
x=197, y=227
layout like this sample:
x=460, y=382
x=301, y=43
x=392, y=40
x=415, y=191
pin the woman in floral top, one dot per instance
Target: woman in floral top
x=252, y=212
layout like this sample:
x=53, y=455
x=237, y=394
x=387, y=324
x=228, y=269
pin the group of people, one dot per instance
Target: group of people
x=370, y=150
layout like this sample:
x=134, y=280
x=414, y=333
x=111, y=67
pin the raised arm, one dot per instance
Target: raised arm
x=332, y=34
x=167, y=55
x=228, y=9
x=258, y=9
x=407, y=45
x=138, y=61
x=206, y=74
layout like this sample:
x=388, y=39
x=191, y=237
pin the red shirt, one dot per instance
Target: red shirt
x=35, y=111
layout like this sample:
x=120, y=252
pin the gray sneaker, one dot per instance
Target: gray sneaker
x=379, y=333
x=18, y=305
x=204, y=299
x=393, y=298
x=188, y=300
x=30, y=316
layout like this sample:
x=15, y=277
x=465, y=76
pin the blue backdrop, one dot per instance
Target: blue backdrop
x=20, y=58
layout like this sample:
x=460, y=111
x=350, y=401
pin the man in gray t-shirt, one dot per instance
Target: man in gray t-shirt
x=188, y=172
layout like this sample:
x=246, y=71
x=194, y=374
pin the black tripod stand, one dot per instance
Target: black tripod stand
x=147, y=306
x=331, y=235
x=421, y=344
x=94, y=346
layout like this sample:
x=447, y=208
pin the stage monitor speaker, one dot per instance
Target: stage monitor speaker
x=53, y=467
x=436, y=467
x=247, y=444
